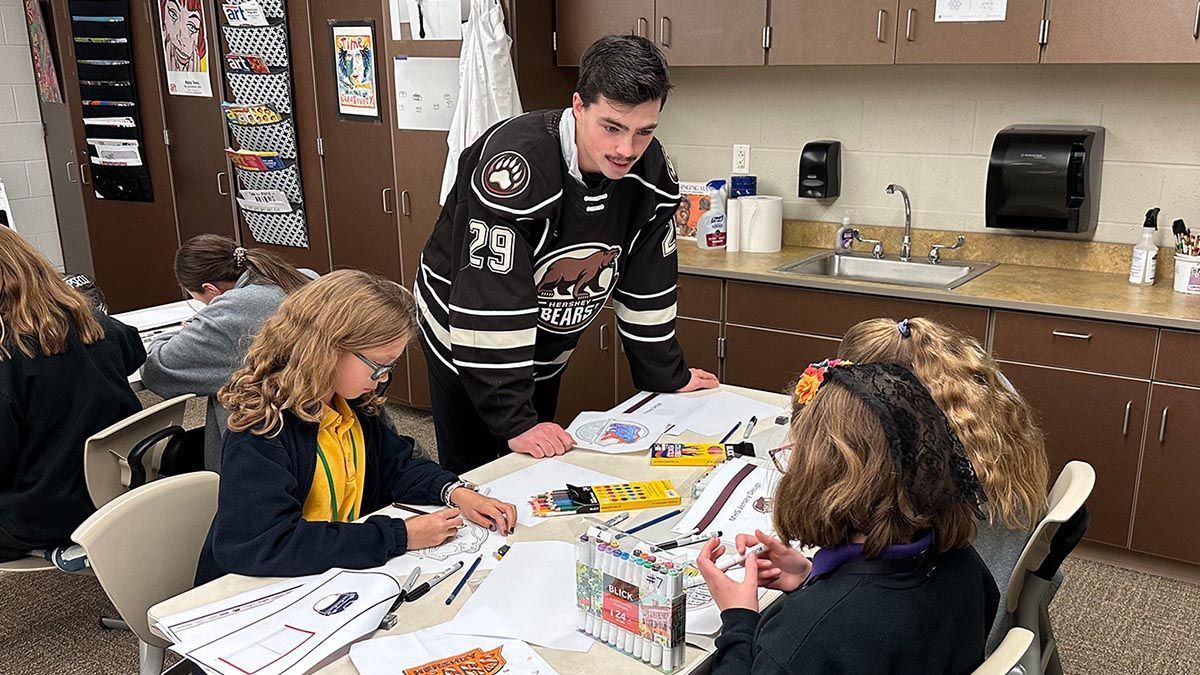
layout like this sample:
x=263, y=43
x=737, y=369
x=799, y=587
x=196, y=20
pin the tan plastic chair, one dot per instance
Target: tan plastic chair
x=28, y=564
x=106, y=466
x=1027, y=600
x=144, y=546
x=1013, y=656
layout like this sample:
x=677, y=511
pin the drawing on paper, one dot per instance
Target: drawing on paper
x=185, y=47
x=607, y=433
x=474, y=662
x=469, y=541
x=258, y=655
x=354, y=67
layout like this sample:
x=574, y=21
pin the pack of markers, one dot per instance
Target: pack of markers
x=631, y=600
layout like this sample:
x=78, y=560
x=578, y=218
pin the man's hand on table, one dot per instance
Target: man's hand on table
x=543, y=440
x=700, y=379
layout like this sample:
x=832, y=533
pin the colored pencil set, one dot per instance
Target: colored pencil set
x=576, y=500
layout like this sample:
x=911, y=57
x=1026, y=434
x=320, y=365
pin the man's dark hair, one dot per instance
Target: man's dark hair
x=624, y=69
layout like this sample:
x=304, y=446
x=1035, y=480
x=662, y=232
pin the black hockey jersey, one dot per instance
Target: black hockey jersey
x=524, y=256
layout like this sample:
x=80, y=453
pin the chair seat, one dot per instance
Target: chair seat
x=28, y=564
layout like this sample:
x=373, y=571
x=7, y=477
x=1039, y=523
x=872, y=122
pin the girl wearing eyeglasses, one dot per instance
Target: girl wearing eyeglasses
x=307, y=454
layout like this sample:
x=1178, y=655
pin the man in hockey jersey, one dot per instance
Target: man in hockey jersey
x=553, y=212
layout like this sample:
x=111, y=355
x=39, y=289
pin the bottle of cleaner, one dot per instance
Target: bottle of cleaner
x=1145, y=255
x=844, y=239
x=710, y=230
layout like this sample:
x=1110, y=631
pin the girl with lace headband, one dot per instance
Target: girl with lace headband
x=875, y=477
x=997, y=427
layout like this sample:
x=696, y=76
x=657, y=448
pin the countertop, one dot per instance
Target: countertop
x=1086, y=295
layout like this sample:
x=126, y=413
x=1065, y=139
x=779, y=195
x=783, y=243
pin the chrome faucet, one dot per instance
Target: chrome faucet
x=906, y=242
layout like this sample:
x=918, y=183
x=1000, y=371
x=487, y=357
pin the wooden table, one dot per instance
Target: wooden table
x=431, y=609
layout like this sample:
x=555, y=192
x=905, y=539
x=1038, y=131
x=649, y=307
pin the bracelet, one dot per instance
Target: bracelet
x=450, y=487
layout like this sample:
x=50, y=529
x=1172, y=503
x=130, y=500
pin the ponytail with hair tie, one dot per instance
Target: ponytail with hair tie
x=239, y=257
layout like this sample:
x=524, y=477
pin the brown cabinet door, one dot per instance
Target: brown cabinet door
x=820, y=32
x=769, y=360
x=1077, y=344
x=589, y=382
x=699, y=297
x=360, y=192
x=697, y=339
x=418, y=377
x=1097, y=419
x=1120, y=31
x=711, y=32
x=420, y=157
x=1176, y=360
x=579, y=23
x=920, y=39
x=1167, y=502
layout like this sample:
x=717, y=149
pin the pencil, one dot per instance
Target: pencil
x=731, y=432
x=654, y=521
x=463, y=581
x=410, y=509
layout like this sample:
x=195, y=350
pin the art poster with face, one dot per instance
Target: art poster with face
x=354, y=69
x=43, y=57
x=185, y=47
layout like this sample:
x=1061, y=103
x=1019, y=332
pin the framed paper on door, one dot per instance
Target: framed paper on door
x=354, y=54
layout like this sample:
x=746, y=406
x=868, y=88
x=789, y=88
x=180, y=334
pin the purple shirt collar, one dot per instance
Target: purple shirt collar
x=829, y=559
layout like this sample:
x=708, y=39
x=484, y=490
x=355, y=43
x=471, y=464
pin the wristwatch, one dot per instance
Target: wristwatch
x=450, y=487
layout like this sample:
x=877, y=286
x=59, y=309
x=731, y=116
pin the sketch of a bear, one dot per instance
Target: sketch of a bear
x=578, y=274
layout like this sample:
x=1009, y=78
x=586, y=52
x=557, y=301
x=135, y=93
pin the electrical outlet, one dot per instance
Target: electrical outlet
x=741, y=159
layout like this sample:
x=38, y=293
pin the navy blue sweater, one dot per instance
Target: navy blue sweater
x=259, y=529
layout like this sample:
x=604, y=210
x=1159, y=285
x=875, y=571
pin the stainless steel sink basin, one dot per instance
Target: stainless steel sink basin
x=888, y=270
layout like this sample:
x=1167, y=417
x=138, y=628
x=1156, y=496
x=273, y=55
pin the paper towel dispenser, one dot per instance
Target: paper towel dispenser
x=1045, y=177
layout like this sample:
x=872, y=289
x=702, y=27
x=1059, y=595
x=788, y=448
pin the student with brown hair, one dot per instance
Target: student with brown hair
x=998, y=429
x=241, y=288
x=64, y=371
x=876, y=478
x=307, y=454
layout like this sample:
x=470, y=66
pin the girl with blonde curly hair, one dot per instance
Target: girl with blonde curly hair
x=307, y=454
x=997, y=427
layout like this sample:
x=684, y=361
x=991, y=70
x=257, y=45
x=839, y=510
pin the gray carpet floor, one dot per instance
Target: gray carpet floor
x=1107, y=619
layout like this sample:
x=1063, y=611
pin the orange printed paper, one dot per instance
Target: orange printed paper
x=474, y=662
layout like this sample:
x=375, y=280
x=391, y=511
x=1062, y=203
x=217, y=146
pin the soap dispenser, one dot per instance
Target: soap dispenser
x=1145, y=255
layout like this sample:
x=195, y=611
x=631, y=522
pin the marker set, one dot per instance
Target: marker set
x=631, y=600
x=575, y=500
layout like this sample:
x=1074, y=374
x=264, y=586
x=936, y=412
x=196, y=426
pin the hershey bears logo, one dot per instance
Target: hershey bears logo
x=506, y=175
x=474, y=662
x=573, y=283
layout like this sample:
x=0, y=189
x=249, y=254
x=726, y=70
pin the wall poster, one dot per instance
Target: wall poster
x=185, y=47
x=354, y=52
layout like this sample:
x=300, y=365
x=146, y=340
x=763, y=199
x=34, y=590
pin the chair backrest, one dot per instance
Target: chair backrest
x=32, y=563
x=1066, y=499
x=106, y=467
x=145, y=544
x=1012, y=656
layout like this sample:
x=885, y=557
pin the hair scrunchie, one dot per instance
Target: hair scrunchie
x=239, y=257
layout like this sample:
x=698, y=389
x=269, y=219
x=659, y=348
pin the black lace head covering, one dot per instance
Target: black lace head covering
x=933, y=466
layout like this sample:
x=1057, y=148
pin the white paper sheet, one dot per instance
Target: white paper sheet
x=426, y=92
x=616, y=434
x=970, y=10
x=396, y=653
x=530, y=596
x=246, y=13
x=721, y=410
x=6, y=207
x=170, y=314
x=548, y=474
x=230, y=614
x=745, y=510
x=435, y=19
x=674, y=406
x=264, y=201
x=471, y=541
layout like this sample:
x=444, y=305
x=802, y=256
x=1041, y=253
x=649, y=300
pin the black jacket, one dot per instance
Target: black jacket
x=868, y=624
x=258, y=529
x=49, y=405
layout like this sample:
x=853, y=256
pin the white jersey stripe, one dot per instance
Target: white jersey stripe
x=638, y=338
x=562, y=358
x=550, y=374
x=650, y=185
x=434, y=349
x=518, y=212
x=656, y=317
x=431, y=273
x=646, y=297
x=493, y=312
x=493, y=339
x=493, y=366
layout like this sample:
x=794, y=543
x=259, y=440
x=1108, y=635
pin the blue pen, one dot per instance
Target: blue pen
x=653, y=521
x=463, y=581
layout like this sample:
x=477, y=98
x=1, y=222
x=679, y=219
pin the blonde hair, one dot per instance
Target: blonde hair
x=37, y=308
x=292, y=363
x=842, y=482
x=997, y=427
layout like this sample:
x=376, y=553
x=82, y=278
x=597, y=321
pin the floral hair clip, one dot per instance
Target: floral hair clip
x=813, y=377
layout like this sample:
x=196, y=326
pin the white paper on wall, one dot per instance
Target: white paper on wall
x=426, y=92
x=948, y=11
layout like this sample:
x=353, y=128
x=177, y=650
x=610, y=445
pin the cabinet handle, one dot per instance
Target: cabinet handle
x=1162, y=427
x=664, y=31
x=908, y=24
x=72, y=167
x=405, y=203
x=1076, y=336
x=1125, y=424
x=603, y=337
x=879, y=25
x=383, y=196
x=643, y=26
x=83, y=175
x=1196, y=23
x=220, y=190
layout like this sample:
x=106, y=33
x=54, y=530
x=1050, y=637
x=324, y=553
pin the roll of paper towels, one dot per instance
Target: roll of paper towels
x=761, y=223
x=733, y=226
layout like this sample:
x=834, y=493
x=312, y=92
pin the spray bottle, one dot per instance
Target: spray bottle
x=1144, y=265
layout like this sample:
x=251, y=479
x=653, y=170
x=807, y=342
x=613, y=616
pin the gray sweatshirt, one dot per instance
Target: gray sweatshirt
x=201, y=357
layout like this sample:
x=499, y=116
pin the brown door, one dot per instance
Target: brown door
x=1168, y=503
x=711, y=32
x=579, y=23
x=921, y=39
x=818, y=32
x=1119, y=31
x=589, y=382
x=360, y=192
x=769, y=360
x=698, y=339
x=200, y=174
x=1097, y=419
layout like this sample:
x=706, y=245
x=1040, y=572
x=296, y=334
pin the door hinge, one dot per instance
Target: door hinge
x=1044, y=32
x=320, y=146
x=166, y=136
x=554, y=41
x=766, y=37
x=720, y=348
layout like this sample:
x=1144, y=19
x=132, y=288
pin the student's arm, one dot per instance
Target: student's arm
x=735, y=653
x=403, y=477
x=199, y=358
x=10, y=431
x=133, y=352
x=259, y=531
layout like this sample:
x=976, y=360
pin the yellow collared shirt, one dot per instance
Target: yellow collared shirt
x=337, y=487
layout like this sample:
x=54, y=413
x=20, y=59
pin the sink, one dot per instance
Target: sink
x=888, y=270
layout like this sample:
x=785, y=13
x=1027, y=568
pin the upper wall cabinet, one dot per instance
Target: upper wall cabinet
x=1120, y=31
x=689, y=32
x=832, y=32
x=920, y=39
